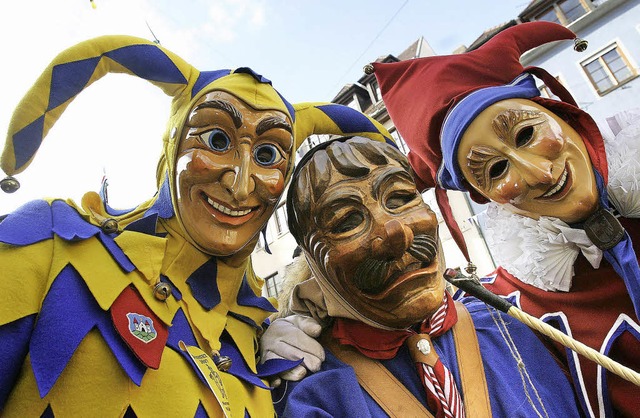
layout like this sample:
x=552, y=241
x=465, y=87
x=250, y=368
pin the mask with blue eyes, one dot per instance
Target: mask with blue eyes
x=263, y=154
x=231, y=167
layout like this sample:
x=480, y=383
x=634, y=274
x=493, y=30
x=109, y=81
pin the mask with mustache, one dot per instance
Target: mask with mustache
x=372, y=276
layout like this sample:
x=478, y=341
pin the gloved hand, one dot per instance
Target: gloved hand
x=293, y=338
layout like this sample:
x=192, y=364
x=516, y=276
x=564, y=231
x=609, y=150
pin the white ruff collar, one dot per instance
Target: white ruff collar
x=623, y=156
x=542, y=252
x=538, y=252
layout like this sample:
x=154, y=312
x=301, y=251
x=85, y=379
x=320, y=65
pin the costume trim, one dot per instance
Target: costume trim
x=573, y=361
x=622, y=324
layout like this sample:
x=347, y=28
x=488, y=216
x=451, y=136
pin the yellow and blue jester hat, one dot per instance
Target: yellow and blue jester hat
x=76, y=68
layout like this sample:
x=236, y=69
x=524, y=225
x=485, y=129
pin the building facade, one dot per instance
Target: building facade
x=604, y=78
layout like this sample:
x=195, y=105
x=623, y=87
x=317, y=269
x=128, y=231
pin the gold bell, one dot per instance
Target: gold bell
x=580, y=44
x=223, y=363
x=9, y=184
x=109, y=226
x=161, y=291
x=368, y=69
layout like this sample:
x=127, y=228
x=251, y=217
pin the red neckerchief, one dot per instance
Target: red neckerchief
x=382, y=344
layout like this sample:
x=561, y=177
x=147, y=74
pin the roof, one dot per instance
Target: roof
x=490, y=33
x=420, y=48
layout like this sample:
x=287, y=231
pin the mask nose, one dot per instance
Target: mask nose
x=535, y=170
x=239, y=182
x=393, y=242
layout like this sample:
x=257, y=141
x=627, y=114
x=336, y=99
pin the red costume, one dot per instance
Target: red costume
x=598, y=312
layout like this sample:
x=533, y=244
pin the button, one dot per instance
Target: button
x=9, y=184
x=423, y=346
x=368, y=69
x=161, y=291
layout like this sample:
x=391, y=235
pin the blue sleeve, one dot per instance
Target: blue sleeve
x=332, y=392
x=21, y=279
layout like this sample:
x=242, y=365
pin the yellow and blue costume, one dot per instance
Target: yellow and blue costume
x=97, y=306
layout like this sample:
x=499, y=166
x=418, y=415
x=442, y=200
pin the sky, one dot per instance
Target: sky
x=308, y=49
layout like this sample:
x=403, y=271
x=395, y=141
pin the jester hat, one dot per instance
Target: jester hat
x=79, y=66
x=433, y=100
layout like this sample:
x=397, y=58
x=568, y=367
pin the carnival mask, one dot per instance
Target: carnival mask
x=369, y=233
x=516, y=151
x=231, y=168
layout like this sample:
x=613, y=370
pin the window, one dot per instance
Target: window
x=399, y=141
x=546, y=92
x=269, y=231
x=608, y=70
x=375, y=90
x=549, y=15
x=273, y=283
x=572, y=10
x=565, y=12
x=281, y=220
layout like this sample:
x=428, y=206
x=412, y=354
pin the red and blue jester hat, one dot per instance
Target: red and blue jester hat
x=446, y=93
x=79, y=66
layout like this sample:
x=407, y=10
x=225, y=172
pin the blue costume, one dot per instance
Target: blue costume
x=334, y=390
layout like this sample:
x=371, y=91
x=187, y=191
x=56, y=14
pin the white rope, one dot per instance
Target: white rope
x=580, y=348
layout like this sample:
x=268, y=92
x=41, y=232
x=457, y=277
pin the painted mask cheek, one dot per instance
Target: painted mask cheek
x=336, y=266
x=507, y=191
x=185, y=176
x=182, y=163
x=269, y=184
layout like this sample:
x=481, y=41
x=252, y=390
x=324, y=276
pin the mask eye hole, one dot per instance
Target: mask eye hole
x=348, y=223
x=267, y=154
x=217, y=139
x=524, y=136
x=498, y=169
x=397, y=200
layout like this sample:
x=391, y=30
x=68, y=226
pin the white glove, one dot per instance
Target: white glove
x=293, y=338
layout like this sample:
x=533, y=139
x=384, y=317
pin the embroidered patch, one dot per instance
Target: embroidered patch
x=141, y=327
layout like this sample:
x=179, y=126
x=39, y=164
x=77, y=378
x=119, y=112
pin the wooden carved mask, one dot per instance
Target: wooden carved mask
x=367, y=232
x=230, y=170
